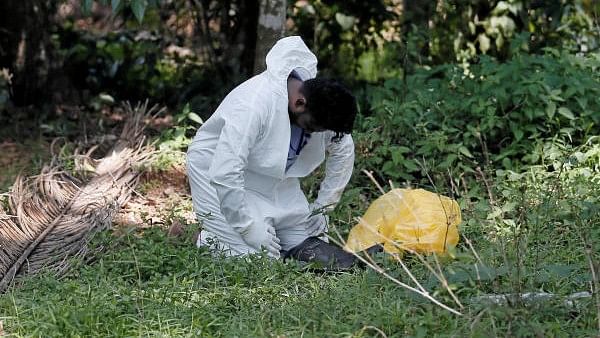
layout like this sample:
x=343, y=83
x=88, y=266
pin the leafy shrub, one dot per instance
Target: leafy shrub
x=353, y=38
x=539, y=236
x=173, y=142
x=448, y=121
x=134, y=65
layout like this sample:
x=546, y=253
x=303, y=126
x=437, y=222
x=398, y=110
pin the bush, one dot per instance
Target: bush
x=135, y=65
x=448, y=121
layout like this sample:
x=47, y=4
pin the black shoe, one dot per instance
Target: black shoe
x=375, y=249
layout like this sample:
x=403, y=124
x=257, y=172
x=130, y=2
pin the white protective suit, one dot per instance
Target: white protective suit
x=237, y=161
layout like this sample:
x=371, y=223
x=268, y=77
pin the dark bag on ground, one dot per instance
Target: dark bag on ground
x=325, y=255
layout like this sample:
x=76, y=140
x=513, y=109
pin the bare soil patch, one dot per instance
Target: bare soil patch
x=161, y=199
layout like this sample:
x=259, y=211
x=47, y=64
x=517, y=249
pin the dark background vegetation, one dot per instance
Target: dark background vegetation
x=494, y=103
x=67, y=52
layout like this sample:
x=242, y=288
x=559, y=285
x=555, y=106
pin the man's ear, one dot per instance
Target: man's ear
x=300, y=102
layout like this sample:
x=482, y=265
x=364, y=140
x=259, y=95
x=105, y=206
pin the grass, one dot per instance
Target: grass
x=537, y=236
x=26, y=158
x=148, y=284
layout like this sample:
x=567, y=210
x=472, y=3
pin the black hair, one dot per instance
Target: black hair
x=331, y=104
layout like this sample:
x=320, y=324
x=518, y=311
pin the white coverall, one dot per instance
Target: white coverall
x=237, y=161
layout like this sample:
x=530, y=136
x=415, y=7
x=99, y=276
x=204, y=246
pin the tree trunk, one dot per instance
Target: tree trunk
x=25, y=47
x=271, y=26
x=241, y=40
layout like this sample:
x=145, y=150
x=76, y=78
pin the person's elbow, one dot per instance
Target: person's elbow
x=226, y=172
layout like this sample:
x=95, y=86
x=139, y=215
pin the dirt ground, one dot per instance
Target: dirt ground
x=162, y=197
x=25, y=158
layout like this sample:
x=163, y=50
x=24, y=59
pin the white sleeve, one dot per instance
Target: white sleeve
x=238, y=135
x=338, y=170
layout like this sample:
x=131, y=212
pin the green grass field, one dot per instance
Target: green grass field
x=540, y=235
x=147, y=284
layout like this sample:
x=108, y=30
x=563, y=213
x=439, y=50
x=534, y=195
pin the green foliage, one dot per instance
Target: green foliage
x=540, y=224
x=466, y=29
x=131, y=66
x=560, y=197
x=348, y=36
x=138, y=7
x=447, y=121
x=373, y=41
x=173, y=142
x=149, y=284
x=531, y=220
x=533, y=227
x=515, y=142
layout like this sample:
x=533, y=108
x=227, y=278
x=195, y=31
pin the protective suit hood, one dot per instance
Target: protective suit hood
x=289, y=54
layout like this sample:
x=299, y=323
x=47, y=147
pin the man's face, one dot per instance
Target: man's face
x=307, y=122
x=299, y=115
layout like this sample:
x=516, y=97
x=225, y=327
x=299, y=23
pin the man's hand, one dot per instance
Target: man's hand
x=317, y=225
x=318, y=222
x=262, y=237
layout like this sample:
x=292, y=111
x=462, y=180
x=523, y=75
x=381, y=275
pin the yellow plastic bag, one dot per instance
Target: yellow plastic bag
x=408, y=219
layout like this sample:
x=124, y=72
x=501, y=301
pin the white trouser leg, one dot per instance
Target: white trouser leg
x=215, y=230
x=292, y=213
x=287, y=212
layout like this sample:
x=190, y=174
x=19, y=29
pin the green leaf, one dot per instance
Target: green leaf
x=346, y=21
x=410, y=165
x=484, y=43
x=560, y=270
x=139, y=8
x=566, y=112
x=550, y=109
x=555, y=95
x=463, y=150
x=518, y=134
x=194, y=117
x=397, y=157
x=449, y=161
x=87, y=6
x=390, y=169
x=115, y=4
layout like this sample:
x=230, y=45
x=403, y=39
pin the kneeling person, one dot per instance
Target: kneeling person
x=245, y=162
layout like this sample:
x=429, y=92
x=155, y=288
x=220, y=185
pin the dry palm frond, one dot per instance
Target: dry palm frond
x=53, y=215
